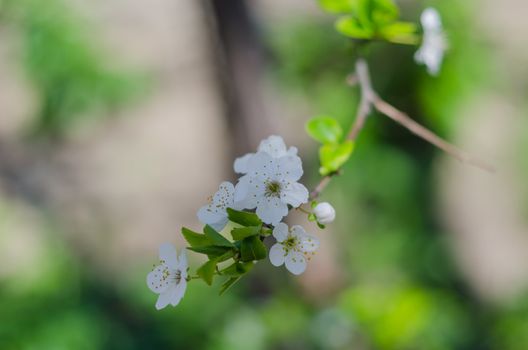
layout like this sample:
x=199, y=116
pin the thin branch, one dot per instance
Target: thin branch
x=369, y=98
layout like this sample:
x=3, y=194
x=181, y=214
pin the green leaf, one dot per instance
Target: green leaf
x=227, y=284
x=252, y=249
x=400, y=33
x=207, y=271
x=324, y=129
x=216, y=237
x=243, y=232
x=195, y=239
x=383, y=12
x=337, y=6
x=333, y=156
x=321, y=226
x=211, y=251
x=311, y=217
x=243, y=218
x=352, y=27
x=237, y=269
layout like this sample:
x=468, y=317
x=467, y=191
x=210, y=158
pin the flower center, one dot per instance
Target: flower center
x=273, y=189
x=290, y=243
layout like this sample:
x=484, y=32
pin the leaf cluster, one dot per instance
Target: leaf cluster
x=371, y=20
x=237, y=256
x=334, y=150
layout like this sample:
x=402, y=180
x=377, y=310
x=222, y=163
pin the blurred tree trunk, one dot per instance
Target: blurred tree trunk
x=239, y=60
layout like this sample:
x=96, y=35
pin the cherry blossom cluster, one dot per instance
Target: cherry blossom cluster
x=253, y=210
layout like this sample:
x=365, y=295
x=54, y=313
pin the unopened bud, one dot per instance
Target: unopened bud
x=324, y=212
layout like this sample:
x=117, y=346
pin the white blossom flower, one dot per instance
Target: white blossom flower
x=270, y=185
x=434, y=44
x=325, y=213
x=274, y=146
x=214, y=214
x=293, y=248
x=169, y=278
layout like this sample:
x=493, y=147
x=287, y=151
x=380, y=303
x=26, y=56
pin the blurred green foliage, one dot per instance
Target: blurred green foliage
x=63, y=62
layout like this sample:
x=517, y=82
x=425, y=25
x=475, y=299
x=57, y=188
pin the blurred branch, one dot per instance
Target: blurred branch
x=370, y=99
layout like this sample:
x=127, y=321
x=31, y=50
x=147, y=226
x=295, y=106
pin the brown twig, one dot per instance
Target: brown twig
x=369, y=98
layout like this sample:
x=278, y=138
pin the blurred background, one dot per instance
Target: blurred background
x=118, y=118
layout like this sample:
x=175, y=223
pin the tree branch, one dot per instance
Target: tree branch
x=369, y=98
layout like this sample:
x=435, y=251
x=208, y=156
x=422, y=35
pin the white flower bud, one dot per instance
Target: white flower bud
x=324, y=212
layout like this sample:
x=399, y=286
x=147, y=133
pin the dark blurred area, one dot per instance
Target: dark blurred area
x=118, y=118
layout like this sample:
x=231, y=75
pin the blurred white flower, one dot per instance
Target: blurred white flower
x=169, y=278
x=214, y=214
x=270, y=185
x=434, y=44
x=294, y=246
x=273, y=145
x=324, y=212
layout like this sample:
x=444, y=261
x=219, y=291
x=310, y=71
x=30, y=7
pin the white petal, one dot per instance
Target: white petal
x=262, y=165
x=178, y=292
x=212, y=216
x=271, y=210
x=164, y=298
x=430, y=19
x=294, y=194
x=182, y=263
x=168, y=254
x=248, y=192
x=277, y=254
x=241, y=164
x=242, y=188
x=309, y=244
x=157, y=280
x=290, y=167
x=280, y=232
x=295, y=262
x=224, y=197
x=292, y=151
x=220, y=224
x=274, y=146
x=298, y=231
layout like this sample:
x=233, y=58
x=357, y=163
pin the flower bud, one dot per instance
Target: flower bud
x=324, y=212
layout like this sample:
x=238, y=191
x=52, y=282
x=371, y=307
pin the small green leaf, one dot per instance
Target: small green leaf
x=353, y=28
x=321, y=226
x=332, y=157
x=337, y=6
x=211, y=251
x=252, y=249
x=195, y=239
x=227, y=284
x=243, y=232
x=324, y=129
x=243, y=218
x=383, y=12
x=400, y=33
x=207, y=271
x=237, y=269
x=311, y=217
x=216, y=237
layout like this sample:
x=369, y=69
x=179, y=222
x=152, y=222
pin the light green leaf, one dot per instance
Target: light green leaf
x=216, y=237
x=195, y=239
x=207, y=271
x=243, y=232
x=227, y=284
x=337, y=6
x=243, y=218
x=400, y=33
x=252, y=249
x=324, y=129
x=383, y=12
x=353, y=28
x=333, y=156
